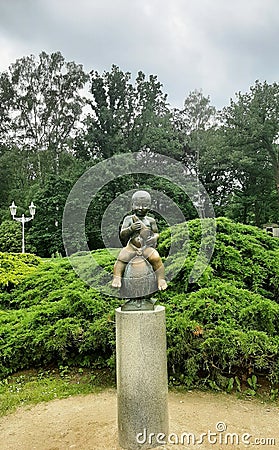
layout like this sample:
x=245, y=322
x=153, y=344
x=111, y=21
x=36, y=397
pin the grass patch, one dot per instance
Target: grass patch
x=35, y=386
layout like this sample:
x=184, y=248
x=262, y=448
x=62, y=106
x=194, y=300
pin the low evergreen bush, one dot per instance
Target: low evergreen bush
x=221, y=330
x=15, y=267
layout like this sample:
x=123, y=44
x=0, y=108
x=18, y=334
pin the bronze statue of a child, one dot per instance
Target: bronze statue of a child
x=140, y=234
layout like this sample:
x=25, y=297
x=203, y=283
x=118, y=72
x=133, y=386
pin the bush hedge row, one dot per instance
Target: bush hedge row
x=224, y=326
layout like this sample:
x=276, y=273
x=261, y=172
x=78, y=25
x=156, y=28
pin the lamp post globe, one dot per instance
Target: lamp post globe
x=13, y=208
x=32, y=209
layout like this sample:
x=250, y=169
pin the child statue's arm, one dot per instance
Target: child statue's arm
x=152, y=240
x=128, y=227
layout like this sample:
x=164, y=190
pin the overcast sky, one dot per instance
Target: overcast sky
x=219, y=46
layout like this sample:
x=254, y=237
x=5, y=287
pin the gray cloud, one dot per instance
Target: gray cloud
x=220, y=47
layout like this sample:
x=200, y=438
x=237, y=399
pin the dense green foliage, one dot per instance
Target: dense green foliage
x=222, y=330
x=251, y=127
x=14, y=268
x=225, y=328
x=53, y=317
x=56, y=121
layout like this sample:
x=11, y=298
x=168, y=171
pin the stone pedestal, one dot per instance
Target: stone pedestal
x=142, y=385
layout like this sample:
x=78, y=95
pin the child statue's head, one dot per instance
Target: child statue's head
x=141, y=203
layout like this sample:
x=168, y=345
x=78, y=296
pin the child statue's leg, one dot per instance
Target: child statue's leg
x=160, y=274
x=118, y=270
x=125, y=255
x=154, y=258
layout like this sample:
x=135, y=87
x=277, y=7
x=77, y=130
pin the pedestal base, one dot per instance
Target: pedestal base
x=141, y=378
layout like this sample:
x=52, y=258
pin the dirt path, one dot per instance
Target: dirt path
x=89, y=423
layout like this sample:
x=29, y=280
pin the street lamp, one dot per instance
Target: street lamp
x=23, y=219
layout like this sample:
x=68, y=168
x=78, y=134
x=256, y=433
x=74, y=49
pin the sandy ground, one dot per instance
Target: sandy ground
x=89, y=423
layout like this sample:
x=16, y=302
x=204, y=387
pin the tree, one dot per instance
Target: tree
x=203, y=151
x=251, y=128
x=16, y=179
x=41, y=108
x=197, y=116
x=5, y=177
x=10, y=236
x=125, y=117
x=50, y=200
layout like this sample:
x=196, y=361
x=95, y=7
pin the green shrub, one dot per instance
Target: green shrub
x=226, y=323
x=243, y=255
x=15, y=267
x=221, y=329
